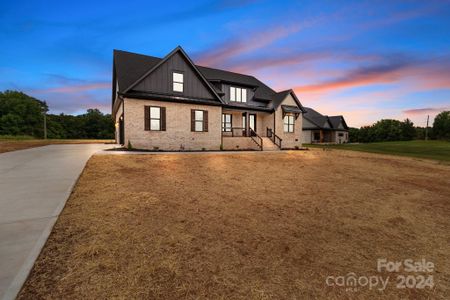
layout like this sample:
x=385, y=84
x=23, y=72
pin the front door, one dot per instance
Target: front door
x=252, y=121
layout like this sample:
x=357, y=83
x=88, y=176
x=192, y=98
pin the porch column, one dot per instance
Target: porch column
x=246, y=124
x=321, y=135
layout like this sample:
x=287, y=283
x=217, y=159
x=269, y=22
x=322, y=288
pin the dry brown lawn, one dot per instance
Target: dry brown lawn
x=245, y=226
x=8, y=145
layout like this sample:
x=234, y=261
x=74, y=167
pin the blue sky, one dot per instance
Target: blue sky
x=366, y=60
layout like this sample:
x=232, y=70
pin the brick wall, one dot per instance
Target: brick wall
x=239, y=143
x=178, y=133
x=290, y=140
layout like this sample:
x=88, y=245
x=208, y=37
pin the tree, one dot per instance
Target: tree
x=21, y=114
x=408, y=132
x=384, y=130
x=353, y=135
x=441, y=125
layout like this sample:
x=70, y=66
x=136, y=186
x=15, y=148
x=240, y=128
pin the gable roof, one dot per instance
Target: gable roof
x=320, y=120
x=278, y=98
x=262, y=92
x=336, y=120
x=181, y=51
x=130, y=68
x=315, y=117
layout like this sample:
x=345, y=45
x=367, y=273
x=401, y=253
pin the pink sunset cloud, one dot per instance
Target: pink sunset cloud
x=234, y=47
x=423, y=111
x=75, y=88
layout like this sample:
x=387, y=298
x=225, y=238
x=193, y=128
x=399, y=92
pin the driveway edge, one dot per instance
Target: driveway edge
x=16, y=285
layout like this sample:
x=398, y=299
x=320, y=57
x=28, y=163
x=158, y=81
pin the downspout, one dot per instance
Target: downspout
x=123, y=115
x=221, y=129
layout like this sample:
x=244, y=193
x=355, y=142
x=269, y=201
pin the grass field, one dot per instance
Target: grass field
x=245, y=226
x=437, y=150
x=9, y=143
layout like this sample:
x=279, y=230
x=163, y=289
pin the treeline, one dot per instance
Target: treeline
x=394, y=130
x=21, y=114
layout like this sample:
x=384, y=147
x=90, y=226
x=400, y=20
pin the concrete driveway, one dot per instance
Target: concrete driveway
x=34, y=186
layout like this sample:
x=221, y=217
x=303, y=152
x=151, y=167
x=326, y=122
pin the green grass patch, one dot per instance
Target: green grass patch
x=437, y=150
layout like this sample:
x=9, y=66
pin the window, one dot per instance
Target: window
x=316, y=136
x=226, y=122
x=238, y=94
x=340, y=134
x=155, y=118
x=178, y=80
x=199, y=120
x=289, y=123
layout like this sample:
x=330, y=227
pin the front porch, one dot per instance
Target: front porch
x=248, y=130
x=322, y=136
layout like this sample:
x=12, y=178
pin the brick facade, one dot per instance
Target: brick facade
x=290, y=140
x=178, y=135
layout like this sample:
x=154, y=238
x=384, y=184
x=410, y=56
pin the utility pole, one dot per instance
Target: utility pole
x=426, y=129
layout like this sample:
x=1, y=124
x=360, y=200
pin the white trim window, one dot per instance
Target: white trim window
x=289, y=123
x=238, y=94
x=178, y=81
x=155, y=118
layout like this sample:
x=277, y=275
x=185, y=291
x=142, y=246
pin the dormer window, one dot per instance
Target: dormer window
x=238, y=94
x=178, y=81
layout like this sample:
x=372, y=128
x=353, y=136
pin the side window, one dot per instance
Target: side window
x=199, y=120
x=178, y=81
x=289, y=123
x=155, y=118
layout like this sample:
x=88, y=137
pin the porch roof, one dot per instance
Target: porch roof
x=291, y=109
x=246, y=108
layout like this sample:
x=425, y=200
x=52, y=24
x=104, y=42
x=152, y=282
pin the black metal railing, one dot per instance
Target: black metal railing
x=256, y=138
x=273, y=137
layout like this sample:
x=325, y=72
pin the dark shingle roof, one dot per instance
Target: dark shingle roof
x=315, y=117
x=320, y=120
x=336, y=120
x=277, y=98
x=131, y=66
x=262, y=91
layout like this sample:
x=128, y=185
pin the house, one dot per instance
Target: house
x=172, y=104
x=318, y=128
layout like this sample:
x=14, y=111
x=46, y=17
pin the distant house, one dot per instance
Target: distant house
x=172, y=104
x=318, y=128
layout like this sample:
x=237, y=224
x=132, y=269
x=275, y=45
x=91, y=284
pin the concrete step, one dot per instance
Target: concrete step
x=268, y=145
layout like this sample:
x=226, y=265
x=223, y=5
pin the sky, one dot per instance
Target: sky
x=365, y=60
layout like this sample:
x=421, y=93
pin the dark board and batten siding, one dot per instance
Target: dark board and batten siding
x=250, y=94
x=160, y=80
